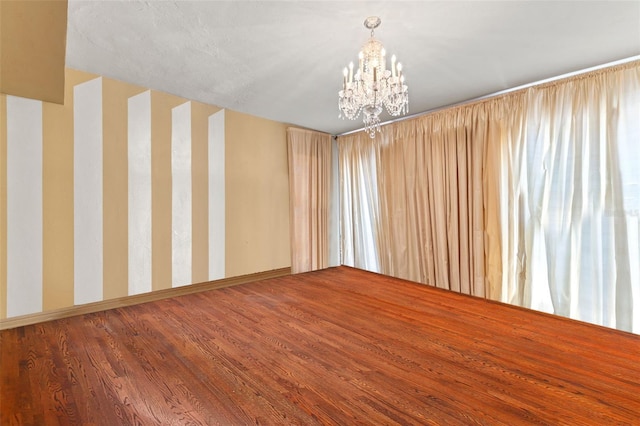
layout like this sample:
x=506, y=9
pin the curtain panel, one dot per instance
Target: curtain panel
x=419, y=201
x=570, y=200
x=531, y=198
x=309, y=156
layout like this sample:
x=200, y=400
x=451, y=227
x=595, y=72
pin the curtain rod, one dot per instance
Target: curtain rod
x=501, y=92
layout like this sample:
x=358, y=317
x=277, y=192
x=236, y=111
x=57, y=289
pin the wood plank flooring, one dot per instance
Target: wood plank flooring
x=339, y=346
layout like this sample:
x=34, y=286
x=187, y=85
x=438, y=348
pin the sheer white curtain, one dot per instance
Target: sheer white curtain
x=359, y=204
x=310, y=170
x=570, y=200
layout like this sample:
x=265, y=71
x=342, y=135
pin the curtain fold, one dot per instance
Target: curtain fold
x=310, y=159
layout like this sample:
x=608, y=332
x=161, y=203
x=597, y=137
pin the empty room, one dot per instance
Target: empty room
x=319, y=212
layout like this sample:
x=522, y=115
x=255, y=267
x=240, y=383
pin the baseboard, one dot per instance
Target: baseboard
x=120, y=302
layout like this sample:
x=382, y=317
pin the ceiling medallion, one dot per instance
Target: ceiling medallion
x=373, y=85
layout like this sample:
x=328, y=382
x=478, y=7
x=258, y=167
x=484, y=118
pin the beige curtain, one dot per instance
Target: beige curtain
x=309, y=156
x=531, y=198
x=420, y=203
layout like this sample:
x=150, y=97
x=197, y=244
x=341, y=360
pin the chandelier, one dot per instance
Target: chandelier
x=373, y=85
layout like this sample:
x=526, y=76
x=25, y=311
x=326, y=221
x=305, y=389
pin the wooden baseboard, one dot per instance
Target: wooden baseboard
x=120, y=302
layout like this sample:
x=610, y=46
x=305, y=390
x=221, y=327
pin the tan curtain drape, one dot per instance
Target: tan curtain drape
x=414, y=203
x=309, y=155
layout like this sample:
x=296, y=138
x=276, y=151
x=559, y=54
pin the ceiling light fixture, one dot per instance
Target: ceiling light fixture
x=373, y=85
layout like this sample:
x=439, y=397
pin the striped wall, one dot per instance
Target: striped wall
x=139, y=192
x=87, y=192
x=119, y=191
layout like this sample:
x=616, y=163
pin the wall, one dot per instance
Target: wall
x=33, y=36
x=124, y=190
x=257, y=202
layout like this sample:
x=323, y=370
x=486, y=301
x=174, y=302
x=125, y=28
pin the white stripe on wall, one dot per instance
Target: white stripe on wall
x=139, y=216
x=24, y=206
x=181, y=236
x=216, y=196
x=87, y=187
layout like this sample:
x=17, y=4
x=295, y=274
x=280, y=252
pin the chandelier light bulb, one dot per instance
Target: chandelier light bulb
x=393, y=66
x=373, y=86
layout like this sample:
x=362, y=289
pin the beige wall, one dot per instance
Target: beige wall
x=257, y=195
x=256, y=188
x=33, y=36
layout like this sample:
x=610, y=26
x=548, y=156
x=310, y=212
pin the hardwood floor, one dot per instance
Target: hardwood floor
x=339, y=346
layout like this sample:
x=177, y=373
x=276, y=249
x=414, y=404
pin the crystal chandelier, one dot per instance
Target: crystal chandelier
x=373, y=85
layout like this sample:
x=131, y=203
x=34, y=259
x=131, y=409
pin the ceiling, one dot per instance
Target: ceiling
x=283, y=60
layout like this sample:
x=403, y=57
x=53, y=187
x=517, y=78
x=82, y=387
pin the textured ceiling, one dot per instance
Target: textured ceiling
x=283, y=60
